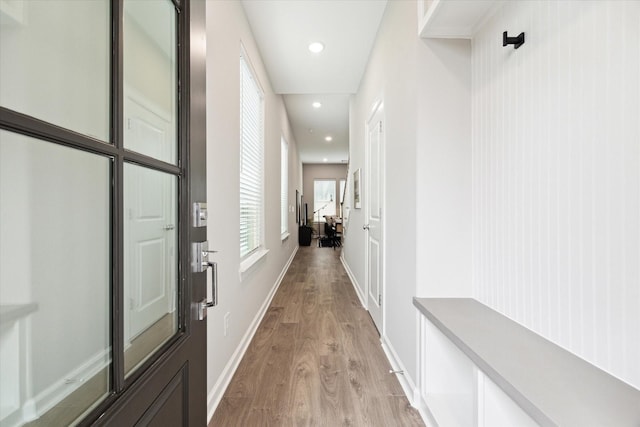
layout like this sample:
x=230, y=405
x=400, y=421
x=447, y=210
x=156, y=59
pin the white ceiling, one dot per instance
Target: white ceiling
x=283, y=29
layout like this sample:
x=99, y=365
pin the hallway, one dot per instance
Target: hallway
x=160, y=160
x=316, y=358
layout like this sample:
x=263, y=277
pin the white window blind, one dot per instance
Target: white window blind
x=284, y=187
x=251, y=160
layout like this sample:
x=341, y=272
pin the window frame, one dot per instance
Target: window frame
x=318, y=209
x=253, y=252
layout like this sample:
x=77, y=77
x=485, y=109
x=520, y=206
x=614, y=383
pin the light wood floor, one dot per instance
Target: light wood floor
x=316, y=359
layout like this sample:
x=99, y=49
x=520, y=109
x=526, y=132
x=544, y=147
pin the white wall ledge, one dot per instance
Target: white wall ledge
x=10, y=313
x=248, y=264
x=457, y=19
x=552, y=385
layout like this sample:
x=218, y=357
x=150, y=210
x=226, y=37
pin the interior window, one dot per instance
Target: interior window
x=324, y=198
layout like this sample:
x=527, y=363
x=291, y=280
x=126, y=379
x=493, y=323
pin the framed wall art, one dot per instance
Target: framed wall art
x=356, y=189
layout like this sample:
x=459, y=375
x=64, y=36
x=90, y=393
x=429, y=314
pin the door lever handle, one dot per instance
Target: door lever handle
x=204, y=304
x=365, y=227
x=214, y=284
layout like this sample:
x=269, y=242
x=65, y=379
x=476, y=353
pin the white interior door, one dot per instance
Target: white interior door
x=373, y=225
x=150, y=223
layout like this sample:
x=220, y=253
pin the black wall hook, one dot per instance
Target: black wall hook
x=515, y=41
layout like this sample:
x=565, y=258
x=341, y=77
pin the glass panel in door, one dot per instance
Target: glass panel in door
x=150, y=262
x=55, y=277
x=150, y=82
x=54, y=62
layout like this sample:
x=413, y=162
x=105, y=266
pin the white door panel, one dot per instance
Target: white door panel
x=374, y=267
x=151, y=224
x=152, y=260
x=373, y=205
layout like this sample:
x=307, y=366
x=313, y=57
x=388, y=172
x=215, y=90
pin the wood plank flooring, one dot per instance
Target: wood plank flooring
x=316, y=359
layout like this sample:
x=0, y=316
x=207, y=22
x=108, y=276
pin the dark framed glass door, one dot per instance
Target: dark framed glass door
x=102, y=149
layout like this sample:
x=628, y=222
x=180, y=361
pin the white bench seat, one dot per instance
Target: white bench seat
x=553, y=386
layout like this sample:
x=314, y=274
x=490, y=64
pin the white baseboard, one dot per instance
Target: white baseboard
x=407, y=383
x=216, y=393
x=354, y=282
x=67, y=384
x=425, y=413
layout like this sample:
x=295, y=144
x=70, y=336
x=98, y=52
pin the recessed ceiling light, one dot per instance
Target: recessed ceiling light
x=316, y=47
x=325, y=160
x=316, y=105
x=328, y=138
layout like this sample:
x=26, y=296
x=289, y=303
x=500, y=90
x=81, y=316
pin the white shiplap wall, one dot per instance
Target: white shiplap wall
x=556, y=175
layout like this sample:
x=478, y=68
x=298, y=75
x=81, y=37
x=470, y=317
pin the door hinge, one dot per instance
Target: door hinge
x=380, y=127
x=379, y=299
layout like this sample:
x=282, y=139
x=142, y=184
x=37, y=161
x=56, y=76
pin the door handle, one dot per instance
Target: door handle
x=200, y=264
x=204, y=304
x=169, y=227
x=365, y=227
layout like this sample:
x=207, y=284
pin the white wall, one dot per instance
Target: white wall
x=549, y=189
x=426, y=95
x=556, y=172
x=244, y=299
x=443, y=172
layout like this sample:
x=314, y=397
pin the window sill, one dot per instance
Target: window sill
x=247, y=264
x=284, y=236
